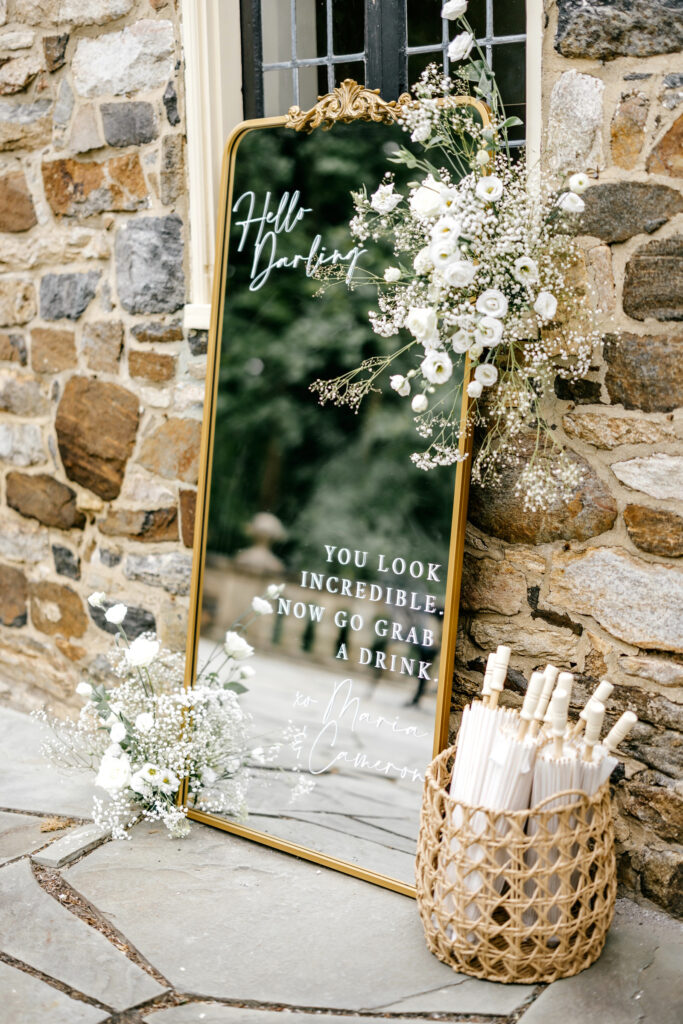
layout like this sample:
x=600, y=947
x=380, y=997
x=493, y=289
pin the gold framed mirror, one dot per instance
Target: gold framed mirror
x=353, y=671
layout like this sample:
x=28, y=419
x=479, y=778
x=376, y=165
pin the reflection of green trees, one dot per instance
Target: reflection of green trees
x=329, y=475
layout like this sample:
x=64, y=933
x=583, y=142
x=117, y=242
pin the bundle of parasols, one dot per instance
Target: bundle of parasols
x=512, y=761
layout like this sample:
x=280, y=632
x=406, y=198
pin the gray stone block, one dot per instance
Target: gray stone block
x=149, y=265
x=26, y=999
x=75, y=843
x=20, y=834
x=129, y=124
x=67, y=296
x=604, y=29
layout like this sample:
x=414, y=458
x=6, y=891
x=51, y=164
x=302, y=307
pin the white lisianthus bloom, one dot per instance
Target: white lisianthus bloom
x=114, y=750
x=426, y=200
x=261, y=606
x=421, y=322
x=385, y=199
x=449, y=198
x=392, y=274
x=84, y=689
x=525, y=270
x=486, y=374
x=476, y=350
x=578, y=183
x=246, y=672
x=236, y=646
x=273, y=590
x=117, y=732
x=116, y=614
x=492, y=303
x=442, y=253
x=142, y=652
x=436, y=367
x=144, y=722
x=474, y=389
x=114, y=773
x=460, y=47
x=139, y=783
x=97, y=599
x=482, y=157
x=446, y=228
x=421, y=133
x=489, y=188
x=167, y=781
x=489, y=332
x=422, y=263
x=546, y=305
x=461, y=342
x=459, y=273
x=399, y=383
x=453, y=9
x=569, y=202
x=419, y=403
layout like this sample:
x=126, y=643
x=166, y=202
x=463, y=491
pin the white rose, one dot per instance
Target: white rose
x=441, y=253
x=453, y=9
x=399, y=383
x=422, y=263
x=385, y=199
x=426, y=201
x=117, y=732
x=84, y=689
x=97, y=599
x=236, y=646
x=436, y=367
x=482, y=157
x=261, y=606
x=569, y=202
x=116, y=614
x=546, y=305
x=273, y=590
x=486, y=374
x=114, y=773
x=578, y=183
x=392, y=274
x=492, y=303
x=460, y=47
x=144, y=721
x=526, y=270
x=489, y=188
x=474, y=389
x=419, y=403
x=459, y=273
x=489, y=332
x=142, y=652
x=421, y=322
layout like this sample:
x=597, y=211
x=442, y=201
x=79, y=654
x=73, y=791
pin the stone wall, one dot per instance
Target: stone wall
x=598, y=587
x=100, y=389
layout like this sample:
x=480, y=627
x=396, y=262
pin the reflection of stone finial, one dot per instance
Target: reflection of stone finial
x=266, y=530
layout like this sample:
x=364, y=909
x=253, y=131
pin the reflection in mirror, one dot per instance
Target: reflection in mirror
x=343, y=701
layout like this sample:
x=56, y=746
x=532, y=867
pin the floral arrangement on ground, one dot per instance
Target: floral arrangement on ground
x=148, y=735
x=485, y=265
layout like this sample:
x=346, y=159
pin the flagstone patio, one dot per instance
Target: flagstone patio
x=216, y=930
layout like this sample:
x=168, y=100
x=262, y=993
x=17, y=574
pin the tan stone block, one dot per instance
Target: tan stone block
x=18, y=73
x=13, y=594
x=490, y=585
x=154, y=525
x=188, y=507
x=655, y=530
x=628, y=127
x=71, y=651
x=153, y=366
x=20, y=393
x=606, y=431
x=528, y=638
x=17, y=301
x=102, y=344
x=599, y=262
x=12, y=348
x=79, y=188
x=52, y=350
x=57, y=609
x=39, y=496
x=656, y=670
x=667, y=156
x=172, y=450
x=17, y=212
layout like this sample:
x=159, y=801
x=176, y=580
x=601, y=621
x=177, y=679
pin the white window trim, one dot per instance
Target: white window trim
x=213, y=98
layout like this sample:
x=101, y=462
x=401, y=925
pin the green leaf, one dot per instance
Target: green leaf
x=512, y=122
x=236, y=688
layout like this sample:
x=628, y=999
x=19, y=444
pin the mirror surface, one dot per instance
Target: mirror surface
x=343, y=702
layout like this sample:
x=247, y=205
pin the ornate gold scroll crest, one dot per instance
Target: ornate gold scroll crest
x=348, y=102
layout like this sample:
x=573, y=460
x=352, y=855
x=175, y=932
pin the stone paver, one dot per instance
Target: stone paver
x=20, y=834
x=35, y=929
x=76, y=842
x=27, y=781
x=259, y=925
x=28, y=1000
x=212, y=1013
x=637, y=978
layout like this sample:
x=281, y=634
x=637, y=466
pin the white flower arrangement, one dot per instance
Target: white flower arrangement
x=147, y=734
x=484, y=264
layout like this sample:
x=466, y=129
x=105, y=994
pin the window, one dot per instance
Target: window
x=255, y=58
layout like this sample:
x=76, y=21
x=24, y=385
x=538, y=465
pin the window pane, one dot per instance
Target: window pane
x=509, y=66
x=509, y=18
x=419, y=61
x=348, y=17
x=308, y=32
x=424, y=22
x=354, y=69
x=476, y=15
x=278, y=92
x=277, y=30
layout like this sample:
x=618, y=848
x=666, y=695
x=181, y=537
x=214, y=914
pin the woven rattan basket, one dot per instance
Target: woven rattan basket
x=526, y=896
